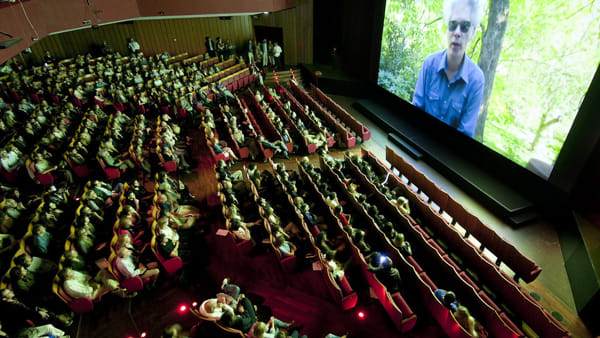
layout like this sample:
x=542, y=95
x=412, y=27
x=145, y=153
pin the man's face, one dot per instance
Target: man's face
x=460, y=30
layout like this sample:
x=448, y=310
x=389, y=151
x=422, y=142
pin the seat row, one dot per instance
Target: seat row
x=504, y=295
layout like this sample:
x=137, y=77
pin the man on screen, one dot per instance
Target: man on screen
x=450, y=85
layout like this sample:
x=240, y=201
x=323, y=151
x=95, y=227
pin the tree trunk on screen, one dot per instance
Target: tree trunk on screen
x=490, y=53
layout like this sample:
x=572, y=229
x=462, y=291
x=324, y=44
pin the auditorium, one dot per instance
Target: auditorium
x=299, y=168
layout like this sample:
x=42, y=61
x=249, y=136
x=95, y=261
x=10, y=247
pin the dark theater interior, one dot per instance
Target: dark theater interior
x=299, y=168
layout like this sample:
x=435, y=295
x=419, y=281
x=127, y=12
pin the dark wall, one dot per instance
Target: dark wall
x=354, y=28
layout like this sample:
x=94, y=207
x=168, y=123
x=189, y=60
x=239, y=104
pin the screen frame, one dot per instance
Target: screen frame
x=579, y=145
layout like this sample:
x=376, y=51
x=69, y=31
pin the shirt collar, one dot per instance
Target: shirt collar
x=461, y=74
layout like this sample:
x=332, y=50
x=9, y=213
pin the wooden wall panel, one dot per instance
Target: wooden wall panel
x=173, y=35
x=297, y=25
x=187, y=7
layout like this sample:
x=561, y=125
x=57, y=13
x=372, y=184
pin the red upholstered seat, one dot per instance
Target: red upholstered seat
x=45, y=179
x=170, y=166
x=81, y=171
x=9, y=176
x=489, y=301
x=288, y=264
x=132, y=284
x=428, y=281
x=112, y=173
x=511, y=324
x=414, y=263
x=119, y=106
x=244, y=246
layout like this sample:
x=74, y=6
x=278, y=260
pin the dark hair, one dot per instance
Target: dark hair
x=21, y=259
x=226, y=318
x=449, y=298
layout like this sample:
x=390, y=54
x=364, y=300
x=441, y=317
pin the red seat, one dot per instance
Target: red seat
x=414, y=263
x=288, y=264
x=511, y=324
x=489, y=301
x=170, y=166
x=45, y=179
x=428, y=281
x=81, y=171
x=133, y=284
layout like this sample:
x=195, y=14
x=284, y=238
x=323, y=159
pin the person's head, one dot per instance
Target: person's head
x=40, y=229
x=462, y=18
x=23, y=260
x=449, y=297
x=400, y=237
x=172, y=331
x=7, y=294
x=259, y=329
x=210, y=306
x=66, y=274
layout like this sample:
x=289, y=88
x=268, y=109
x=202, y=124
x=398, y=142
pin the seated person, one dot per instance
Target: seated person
x=273, y=328
x=22, y=280
x=167, y=247
x=174, y=331
x=126, y=266
x=231, y=290
x=36, y=265
x=41, y=240
x=448, y=298
x=239, y=230
x=285, y=247
x=399, y=242
x=74, y=261
x=81, y=285
x=383, y=268
x=464, y=318
x=244, y=319
x=402, y=204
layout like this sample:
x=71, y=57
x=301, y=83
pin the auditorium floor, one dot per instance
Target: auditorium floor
x=156, y=308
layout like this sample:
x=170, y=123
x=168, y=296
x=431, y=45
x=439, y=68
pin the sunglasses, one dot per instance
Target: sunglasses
x=464, y=26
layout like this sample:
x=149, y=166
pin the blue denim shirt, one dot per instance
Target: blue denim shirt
x=457, y=101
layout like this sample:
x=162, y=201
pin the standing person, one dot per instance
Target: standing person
x=450, y=85
x=265, y=52
x=271, y=58
x=133, y=46
x=209, y=44
x=277, y=50
x=250, y=52
x=220, y=48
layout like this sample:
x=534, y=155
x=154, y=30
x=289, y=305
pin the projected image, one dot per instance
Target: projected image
x=509, y=73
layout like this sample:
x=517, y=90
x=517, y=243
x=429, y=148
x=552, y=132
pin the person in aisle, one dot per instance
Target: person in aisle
x=264, y=48
x=277, y=51
x=209, y=44
x=133, y=46
x=250, y=52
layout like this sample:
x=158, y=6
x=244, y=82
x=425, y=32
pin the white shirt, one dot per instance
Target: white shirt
x=127, y=268
x=78, y=289
x=134, y=46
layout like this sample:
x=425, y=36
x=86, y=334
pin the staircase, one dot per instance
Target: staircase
x=284, y=77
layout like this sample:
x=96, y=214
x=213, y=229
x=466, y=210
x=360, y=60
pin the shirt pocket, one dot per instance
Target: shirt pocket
x=455, y=110
x=434, y=104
